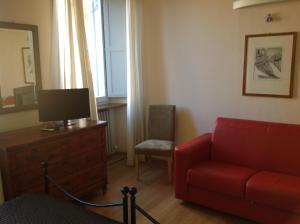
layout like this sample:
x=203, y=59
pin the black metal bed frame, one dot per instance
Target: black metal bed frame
x=131, y=191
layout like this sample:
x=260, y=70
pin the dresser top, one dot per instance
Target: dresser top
x=30, y=135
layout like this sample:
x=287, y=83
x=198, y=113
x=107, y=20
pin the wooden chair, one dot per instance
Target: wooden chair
x=161, y=137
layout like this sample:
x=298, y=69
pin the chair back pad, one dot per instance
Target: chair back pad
x=161, y=123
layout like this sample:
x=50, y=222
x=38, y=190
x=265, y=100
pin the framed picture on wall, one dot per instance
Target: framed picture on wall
x=269, y=64
x=28, y=63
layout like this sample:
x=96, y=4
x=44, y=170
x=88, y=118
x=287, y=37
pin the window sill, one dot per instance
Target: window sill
x=107, y=106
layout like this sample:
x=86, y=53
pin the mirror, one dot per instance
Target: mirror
x=20, y=76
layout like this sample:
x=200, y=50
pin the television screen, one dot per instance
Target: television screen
x=63, y=104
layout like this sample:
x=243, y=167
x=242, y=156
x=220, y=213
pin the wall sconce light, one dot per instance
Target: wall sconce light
x=269, y=18
x=245, y=3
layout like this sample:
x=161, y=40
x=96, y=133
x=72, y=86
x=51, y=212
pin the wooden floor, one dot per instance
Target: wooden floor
x=156, y=196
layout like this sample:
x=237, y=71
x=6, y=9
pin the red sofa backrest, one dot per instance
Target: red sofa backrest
x=257, y=144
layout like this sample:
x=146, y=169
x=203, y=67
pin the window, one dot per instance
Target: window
x=106, y=34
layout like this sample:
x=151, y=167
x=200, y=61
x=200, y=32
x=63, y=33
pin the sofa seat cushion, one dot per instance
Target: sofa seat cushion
x=220, y=177
x=274, y=189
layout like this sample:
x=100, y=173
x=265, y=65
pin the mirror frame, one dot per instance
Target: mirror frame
x=38, y=79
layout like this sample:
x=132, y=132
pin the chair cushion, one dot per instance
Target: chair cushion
x=153, y=145
x=220, y=177
x=274, y=189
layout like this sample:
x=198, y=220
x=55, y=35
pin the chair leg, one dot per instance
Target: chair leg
x=137, y=167
x=170, y=170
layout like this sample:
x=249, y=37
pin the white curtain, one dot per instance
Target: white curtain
x=53, y=81
x=135, y=118
x=70, y=55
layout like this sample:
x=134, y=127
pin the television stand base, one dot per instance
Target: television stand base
x=48, y=129
x=68, y=123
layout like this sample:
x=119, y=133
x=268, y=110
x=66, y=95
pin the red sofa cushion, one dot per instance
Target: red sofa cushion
x=220, y=177
x=274, y=189
x=258, y=145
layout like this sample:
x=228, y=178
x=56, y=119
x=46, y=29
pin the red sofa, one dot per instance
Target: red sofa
x=247, y=168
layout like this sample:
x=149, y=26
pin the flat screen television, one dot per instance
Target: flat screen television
x=63, y=104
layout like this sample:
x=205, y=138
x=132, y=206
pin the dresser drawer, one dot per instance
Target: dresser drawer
x=77, y=163
x=29, y=158
x=89, y=158
x=78, y=183
x=67, y=167
x=76, y=158
x=92, y=138
x=25, y=182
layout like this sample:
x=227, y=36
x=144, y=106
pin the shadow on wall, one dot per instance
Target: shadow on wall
x=296, y=69
x=185, y=129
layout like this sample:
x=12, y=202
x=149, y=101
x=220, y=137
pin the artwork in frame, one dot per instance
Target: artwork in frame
x=269, y=64
x=29, y=66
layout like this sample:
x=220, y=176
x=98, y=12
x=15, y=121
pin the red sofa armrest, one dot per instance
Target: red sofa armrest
x=187, y=155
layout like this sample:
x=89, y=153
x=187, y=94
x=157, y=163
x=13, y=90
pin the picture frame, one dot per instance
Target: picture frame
x=28, y=64
x=269, y=62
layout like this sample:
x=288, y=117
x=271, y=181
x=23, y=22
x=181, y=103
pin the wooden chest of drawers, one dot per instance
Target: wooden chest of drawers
x=76, y=156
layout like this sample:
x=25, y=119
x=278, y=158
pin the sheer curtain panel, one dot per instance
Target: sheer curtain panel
x=135, y=114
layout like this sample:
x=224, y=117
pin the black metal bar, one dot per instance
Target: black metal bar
x=144, y=213
x=45, y=172
x=125, y=192
x=132, y=192
x=79, y=200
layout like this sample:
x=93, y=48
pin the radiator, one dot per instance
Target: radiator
x=104, y=115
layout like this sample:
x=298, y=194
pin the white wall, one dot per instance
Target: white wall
x=35, y=12
x=193, y=57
